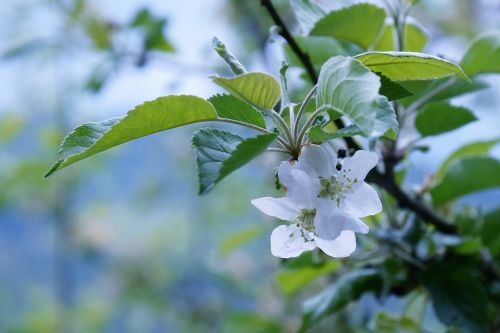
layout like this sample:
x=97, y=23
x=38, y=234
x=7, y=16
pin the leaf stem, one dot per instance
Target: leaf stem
x=284, y=128
x=303, y=109
x=280, y=140
x=308, y=124
x=278, y=150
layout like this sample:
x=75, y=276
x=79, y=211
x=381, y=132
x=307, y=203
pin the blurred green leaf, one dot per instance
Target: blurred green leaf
x=240, y=238
x=387, y=323
x=346, y=86
x=441, y=117
x=359, y=23
x=307, y=13
x=405, y=66
x=465, y=176
x=10, y=125
x=151, y=117
x=291, y=281
x=480, y=148
x=458, y=296
x=349, y=287
x=250, y=323
x=259, y=89
x=483, y=54
x=99, y=31
x=416, y=37
x=440, y=89
x=153, y=28
x=218, y=153
x=468, y=246
x=319, y=49
x=230, y=107
x=491, y=231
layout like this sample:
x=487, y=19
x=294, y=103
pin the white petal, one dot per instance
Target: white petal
x=287, y=242
x=322, y=159
x=329, y=223
x=362, y=201
x=340, y=247
x=360, y=164
x=285, y=174
x=306, y=191
x=282, y=208
x=326, y=226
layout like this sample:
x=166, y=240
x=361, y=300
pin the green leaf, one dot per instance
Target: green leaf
x=386, y=123
x=250, y=323
x=346, y=86
x=291, y=281
x=218, y=153
x=230, y=107
x=441, y=117
x=153, y=28
x=349, y=287
x=236, y=67
x=387, y=323
x=317, y=134
x=319, y=49
x=491, y=230
x=10, y=125
x=483, y=55
x=416, y=37
x=151, y=117
x=440, y=89
x=392, y=90
x=259, y=89
x=240, y=238
x=404, y=66
x=359, y=23
x=479, y=148
x=465, y=176
x=307, y=13
x=458, y=296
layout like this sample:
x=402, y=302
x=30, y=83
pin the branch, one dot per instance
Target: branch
x=285, y=33
x=304, y=59
x=385, y=180
x=406, y=201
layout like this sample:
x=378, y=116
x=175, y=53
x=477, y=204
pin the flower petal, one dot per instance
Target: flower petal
x=322, y=159
x=360, y=164
x=306, y=189
x=362, y=201
x=287, y=241
x=330, y=222
x=282, y=208
x=285, y=174
x=340, y=247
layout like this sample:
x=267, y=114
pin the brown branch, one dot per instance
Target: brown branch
x=384, y=180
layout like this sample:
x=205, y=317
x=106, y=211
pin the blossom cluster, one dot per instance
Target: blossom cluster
x=326, y=197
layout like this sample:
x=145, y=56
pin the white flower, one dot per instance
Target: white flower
x=337, y=183
x=310, y=229
x=325, y=199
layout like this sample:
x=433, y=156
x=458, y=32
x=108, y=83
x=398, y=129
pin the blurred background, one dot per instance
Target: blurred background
x=122, y=242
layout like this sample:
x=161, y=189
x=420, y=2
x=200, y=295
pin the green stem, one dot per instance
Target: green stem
x=302, y=110
x=308, y=124
x=278, y=150
x=283, y=127
x=280, y=140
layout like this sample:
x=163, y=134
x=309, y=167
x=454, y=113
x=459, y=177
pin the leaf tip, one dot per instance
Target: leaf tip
x=54, y=168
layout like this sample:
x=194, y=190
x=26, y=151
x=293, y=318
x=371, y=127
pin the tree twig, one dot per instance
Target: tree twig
x=384, y=180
